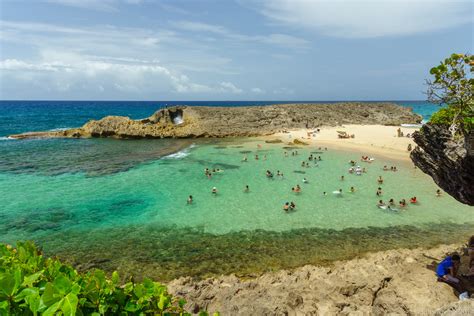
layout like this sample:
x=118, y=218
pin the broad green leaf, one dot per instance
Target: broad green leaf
x=25, y=293
x=131, y=307
x=30, y=279
x=115, y=278
x=52, y=309
x=163, y=302
x=10, y=282
x=48, y=298
x=69, y=305
x=62, y=284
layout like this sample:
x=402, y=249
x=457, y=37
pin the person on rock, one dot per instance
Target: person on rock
x=446, y=271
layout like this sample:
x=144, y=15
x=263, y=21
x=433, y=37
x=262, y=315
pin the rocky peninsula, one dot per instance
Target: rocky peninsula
x=397, y=282
x=203, y=121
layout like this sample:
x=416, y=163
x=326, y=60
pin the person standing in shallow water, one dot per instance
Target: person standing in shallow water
x=247, y=189
x=190, y=199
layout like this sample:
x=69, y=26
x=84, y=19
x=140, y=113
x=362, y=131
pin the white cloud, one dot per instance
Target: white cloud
x=132, y=77
x=218, y=30
x=257, y=90
x=230, y=87
x=200, y=27
x=369, y=18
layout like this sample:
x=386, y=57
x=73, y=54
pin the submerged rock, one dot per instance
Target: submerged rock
x=450, y=162
x=203, y=121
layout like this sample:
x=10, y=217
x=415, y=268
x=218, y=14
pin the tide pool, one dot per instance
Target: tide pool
x=136, y=218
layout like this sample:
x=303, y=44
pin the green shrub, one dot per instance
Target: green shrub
x=31, y=284
x=446, y=116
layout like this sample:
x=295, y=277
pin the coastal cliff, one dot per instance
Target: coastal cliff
x=449, y=162
x=203, y=121
x=400, y=282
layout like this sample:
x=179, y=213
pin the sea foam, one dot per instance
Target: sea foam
x=180, y=154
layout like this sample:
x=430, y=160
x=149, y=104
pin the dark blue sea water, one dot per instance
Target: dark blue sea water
x=24, y=116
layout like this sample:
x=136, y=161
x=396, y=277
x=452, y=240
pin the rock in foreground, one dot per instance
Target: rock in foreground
x=203, y=121
x=396, y=282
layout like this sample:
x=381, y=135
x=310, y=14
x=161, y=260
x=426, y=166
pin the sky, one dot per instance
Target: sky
x=227, y=49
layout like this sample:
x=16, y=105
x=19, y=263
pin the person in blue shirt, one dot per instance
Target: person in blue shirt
x=447, y=272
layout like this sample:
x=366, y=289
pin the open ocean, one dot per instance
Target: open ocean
x=121, y=204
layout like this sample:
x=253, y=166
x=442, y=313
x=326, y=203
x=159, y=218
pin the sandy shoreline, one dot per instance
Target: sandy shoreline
x=379, y=140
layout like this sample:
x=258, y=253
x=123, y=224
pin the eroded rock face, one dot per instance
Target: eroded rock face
x=202, y=121
x=449, y=162
x=398, y=282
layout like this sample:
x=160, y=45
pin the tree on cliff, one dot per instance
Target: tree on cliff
x=453, y=85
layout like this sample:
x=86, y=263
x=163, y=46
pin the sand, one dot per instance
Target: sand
x=370, y=140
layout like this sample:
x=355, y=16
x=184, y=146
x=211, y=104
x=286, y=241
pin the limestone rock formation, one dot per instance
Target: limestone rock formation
x=449, y=162
x=398, y=282
x=203, y=121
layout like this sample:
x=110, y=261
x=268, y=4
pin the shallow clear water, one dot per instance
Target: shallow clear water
x=142, y=210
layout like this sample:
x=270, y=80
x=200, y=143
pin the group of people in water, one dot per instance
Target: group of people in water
x=354, y=169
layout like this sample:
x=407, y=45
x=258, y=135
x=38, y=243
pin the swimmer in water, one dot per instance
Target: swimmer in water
x=286, y=154
x=379, y=191
x=190, y=199
x=342, y=178
x=297, y=189
x=413, y=200
x=380, y=203
x=438, y=193
x=244, y=159
x=305, y=180
x=264, y=157
x=247, y=189
x=391, y=202
x=286, y=207
x=292, y=205
x=403, y=203
x=256, y=157
x=353, y=189
x=385, y=168
x=380, y=180
x=324, y=193
x=214, y=190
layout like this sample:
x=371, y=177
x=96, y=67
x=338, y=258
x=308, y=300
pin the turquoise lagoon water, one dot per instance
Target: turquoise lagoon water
x=121, y=205
x=136, y=219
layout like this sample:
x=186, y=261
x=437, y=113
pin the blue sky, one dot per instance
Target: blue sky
x=226, y=49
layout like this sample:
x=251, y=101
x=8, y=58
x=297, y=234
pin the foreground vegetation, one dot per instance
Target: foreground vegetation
x=31, y=284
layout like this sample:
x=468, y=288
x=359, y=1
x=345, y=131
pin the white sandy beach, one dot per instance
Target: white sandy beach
x=377, y=140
